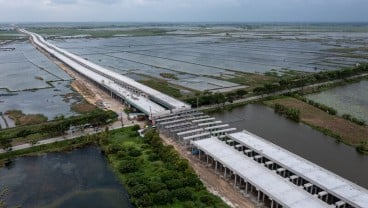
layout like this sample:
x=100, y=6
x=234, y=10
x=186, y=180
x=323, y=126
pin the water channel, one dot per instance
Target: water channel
x=80, y=178
x=301, y=140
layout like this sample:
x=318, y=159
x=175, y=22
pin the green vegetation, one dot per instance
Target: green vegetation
x=323, y=107
x=209, y=98
x=329, y=110
x=308, y=79
x=154, y=174
x=362, y=147
x=328, y=132
x=252, y=80
x=97, y=33
x=83, y=107
x=168, y=76
x=66, y=145
x=321, y=120
x=10, y=35
x=162, y=86
x=291, y=113
x=353, y=119
x=54, y=128
x=22, y=119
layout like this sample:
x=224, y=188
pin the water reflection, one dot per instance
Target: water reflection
x=81, y=178
x=301, y=140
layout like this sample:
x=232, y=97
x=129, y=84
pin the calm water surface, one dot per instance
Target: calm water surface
x=349, y=99
x=50, y=102
x=81, y=178
x=301, y=140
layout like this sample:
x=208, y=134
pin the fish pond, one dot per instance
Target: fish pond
x=51, y=102
x=348, y=99
x=33, y=83
x=220, y=53
x=80, y=178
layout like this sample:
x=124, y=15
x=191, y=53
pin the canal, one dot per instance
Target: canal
x=80, y=178
x=301, y=140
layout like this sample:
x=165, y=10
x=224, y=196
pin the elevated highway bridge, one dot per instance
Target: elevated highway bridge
x=261, y=170
x=258, y=168
x=150, y=101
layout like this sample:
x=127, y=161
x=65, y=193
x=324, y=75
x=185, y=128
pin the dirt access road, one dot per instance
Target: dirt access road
x=90, y=91
x=213, y=182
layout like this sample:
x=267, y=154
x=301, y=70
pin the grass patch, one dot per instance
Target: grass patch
x=290, y=113
x=155, y=175
x=332, y=125
x=163, y=87
x=168, y=76
x=22, y=134
x=67, y=145
x=99, y=33
x=11, y=35
x=22, y=119
x=252, y=80
x=83, y=107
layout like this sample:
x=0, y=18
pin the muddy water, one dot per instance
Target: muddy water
x=301, y=140
x=81, y=178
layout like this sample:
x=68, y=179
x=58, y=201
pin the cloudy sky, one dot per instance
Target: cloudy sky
x=184, y=10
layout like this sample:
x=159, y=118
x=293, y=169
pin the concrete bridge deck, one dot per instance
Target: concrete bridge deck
x=144, y=98
x=276, y=170
x=248, y=175
x=330, y=186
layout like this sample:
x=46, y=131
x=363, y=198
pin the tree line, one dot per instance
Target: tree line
x=154, y=174
x=308, y=79
x=56, y=127
x=291, y=113
x=210, y=98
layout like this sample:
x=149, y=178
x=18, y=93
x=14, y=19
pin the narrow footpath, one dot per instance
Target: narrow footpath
x=89, y=131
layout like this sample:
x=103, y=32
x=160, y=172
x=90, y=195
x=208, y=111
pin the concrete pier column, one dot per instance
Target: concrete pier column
x=216, y=167
x=246, y=187
x=322, y=195
x=340, y=204
x=235, y=181
x=269, y=164
x=308, y=187
x=271, y=203
x=300, y=181
x=258, y=195
x=207, y=159
x=281, y=171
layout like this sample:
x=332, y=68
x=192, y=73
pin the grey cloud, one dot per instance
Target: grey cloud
x=84, y=1
x=64, y=1
x=184, y=10
x=104, y=1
